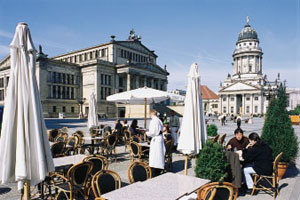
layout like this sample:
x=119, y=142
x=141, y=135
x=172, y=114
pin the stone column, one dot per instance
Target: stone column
x=259, y=64
x=243, y=104
x=252, y=97
x=159, y=84
x=137, y=81
x=117, y=83
x=248, y=63
x=128, y=81
x=228, y=107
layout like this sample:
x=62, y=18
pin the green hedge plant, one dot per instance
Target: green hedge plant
x=211, y=162
x=212, y=130
x=277, y=131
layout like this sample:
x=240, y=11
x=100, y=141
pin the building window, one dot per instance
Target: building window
x=224, y=98
x=224, y=109
x=231, y=109
x=64, y=109
x=96, y=54
x=72, y=109
x=58, y=92
x=250, y=68
x=232, y=99
x=256, y=109
x=109, y=80
x=68, y=93
x=54, y=109
x=247, y=109
x=121, y=82
x=256, y=98
x=7, y=80
x=102, y=79
x=1, y=82
x=248, y=98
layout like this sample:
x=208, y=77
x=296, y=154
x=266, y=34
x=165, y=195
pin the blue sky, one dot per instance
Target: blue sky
x=180, y=31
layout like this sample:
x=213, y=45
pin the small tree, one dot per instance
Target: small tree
x=277, y=131
x=211, y=162
x=211, y=130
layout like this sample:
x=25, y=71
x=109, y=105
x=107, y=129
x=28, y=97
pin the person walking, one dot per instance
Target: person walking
x=174, y=126
x=239, y=121
x=157, y=145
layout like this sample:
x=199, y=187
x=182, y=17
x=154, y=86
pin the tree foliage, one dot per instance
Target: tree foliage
x=277, y=131
x=211, y=162
x=211, y=130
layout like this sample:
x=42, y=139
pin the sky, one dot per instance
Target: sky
x=180, y=31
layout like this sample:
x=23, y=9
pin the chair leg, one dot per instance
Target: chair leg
x=254, y=185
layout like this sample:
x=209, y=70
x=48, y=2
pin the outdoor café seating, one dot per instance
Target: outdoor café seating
x=221, y=139
x=53, y=134
x=136, y=151
x=58, y=149
x=269, y=184
x=99, y=163
x=74, y=183
x=105, y=181
x=72, y=145
x=168, y=155
x=139, y=171
x=110, y=145
x=217, y=191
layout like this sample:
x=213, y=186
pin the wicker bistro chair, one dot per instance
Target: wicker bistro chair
x=221, y=139
x=99, y=163
x=53, y=134
x=218, y=190
x=139, y=171
x=168, y=155
x=72, y=145
x=268, y=183
x=136, y=151
x=58, y=149
x=64, y=130
x=215, y=139
x=110, y=146
x=61, y=138
x=105, y=181
x=75, y=182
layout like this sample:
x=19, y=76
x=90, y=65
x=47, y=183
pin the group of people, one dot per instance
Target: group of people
x=257, y=155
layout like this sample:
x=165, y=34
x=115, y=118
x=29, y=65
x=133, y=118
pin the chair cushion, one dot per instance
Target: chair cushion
x=139, y=173
x=106, y=183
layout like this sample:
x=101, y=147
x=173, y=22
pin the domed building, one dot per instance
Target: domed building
x=247, y=90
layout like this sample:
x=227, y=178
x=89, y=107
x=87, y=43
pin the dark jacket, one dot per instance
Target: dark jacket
x=261, y=157
x=239, y=145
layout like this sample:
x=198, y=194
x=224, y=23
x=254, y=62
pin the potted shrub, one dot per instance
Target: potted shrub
x=278, y=132
x=212, y=130
x=211, y=162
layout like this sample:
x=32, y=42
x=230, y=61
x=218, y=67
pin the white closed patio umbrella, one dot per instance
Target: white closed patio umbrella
x=143, y=96
x=193, y=133
x=25, y=155
x=93, y=111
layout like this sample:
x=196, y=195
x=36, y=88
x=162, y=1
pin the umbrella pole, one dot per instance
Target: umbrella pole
x=186, y=164
x=27, y=190
x=145, y=113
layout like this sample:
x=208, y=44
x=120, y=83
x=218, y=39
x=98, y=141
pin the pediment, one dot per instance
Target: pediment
x=136, y=45
x=239, y=87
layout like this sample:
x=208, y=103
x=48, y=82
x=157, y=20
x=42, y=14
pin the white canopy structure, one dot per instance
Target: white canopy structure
x=25, y=154
x=93, y=111
x=144, y=96
x=193, y=132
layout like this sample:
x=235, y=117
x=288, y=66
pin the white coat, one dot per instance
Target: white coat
x=157, y=145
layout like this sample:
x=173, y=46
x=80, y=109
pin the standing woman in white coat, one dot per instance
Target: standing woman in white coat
x=157, y=145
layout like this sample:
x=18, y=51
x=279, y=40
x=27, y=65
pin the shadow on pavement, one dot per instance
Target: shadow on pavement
x=291, y=171
x=179, y=165
x=4, y=190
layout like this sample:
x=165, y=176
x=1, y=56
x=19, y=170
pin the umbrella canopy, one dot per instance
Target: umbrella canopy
x=138, y=96
x=193, y=133
x=93, y=111
x=24, y=147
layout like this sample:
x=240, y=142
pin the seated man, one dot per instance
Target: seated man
x=239, y=142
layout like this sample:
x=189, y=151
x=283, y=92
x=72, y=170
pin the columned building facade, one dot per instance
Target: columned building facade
x=66, y=81
x=247, y=90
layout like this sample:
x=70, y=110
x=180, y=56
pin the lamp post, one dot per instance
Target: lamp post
x=81, y=102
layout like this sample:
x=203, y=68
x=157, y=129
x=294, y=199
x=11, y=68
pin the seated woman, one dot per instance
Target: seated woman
x=258, y=159
x=134, y=128
x=167, y=133
x=118, y=127
x=239, y=142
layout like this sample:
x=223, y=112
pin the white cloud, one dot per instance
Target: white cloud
x=6, y=34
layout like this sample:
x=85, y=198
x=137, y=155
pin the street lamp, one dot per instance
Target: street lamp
x=81, y=102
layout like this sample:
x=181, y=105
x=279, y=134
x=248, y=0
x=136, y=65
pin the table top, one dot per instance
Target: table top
x=68, y=160
x=168, y=186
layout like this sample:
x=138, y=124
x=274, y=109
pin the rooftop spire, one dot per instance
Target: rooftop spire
x=247, y=19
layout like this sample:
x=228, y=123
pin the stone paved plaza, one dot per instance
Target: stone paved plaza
x=289, y=186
